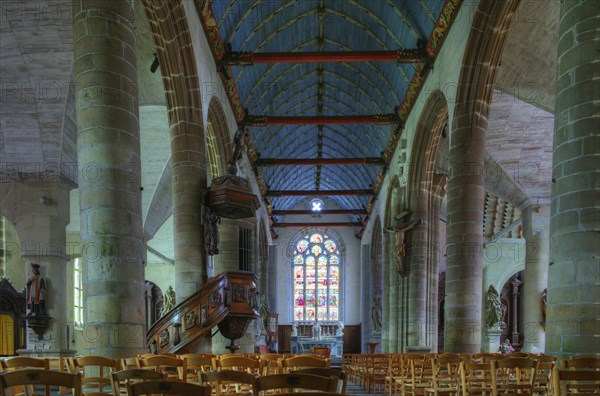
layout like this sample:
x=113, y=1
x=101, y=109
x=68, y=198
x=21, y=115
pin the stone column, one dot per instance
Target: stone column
x=226, y=260
x=464, y=248
x=41, y=217
x=108, y=148
x=536, y=224
x=572, y=325
x=2, y=248
x=388, y=240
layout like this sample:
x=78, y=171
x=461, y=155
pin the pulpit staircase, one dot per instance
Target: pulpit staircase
x=228, y=301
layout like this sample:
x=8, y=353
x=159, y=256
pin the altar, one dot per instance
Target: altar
x=307, y=335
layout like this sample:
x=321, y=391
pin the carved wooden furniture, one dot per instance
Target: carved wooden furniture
x=228, y=301
x=12, y=304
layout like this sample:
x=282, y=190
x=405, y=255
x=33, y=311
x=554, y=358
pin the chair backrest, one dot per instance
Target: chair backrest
x=238, y=363
x=20, y=362
x=476, y=378
x=174, y=367
x=295, y=381
x=327, y=372
x=229, y=377
x=446, y=371
x=303, y=361
x=195, y=364
x=120, y=379
x=592, y=363
x=96, y=372
x=35, y=376
x=514, y=375
x=166, y=387
x=270, y=363
x=575, y=382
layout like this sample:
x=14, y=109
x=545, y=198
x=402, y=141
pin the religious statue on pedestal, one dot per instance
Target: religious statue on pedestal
x=36, y=292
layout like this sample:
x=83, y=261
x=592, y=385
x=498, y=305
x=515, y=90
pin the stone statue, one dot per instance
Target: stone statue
x=36, y=292
x=493, y=307
x=316, y=330
x=339, y=331
x=294, y=329
x=376, y=313
x=264, y=308
x=400, y=246
x=211, y=231
x=544, y=304
x=169, y=302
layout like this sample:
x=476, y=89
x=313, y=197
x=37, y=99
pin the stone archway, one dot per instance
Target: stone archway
x=466, y=183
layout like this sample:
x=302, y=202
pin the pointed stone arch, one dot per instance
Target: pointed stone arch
x=175, y=52
x=425, y=196
x=466, y=184
x=218, y=139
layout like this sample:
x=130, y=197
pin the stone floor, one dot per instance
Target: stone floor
x=355, y=389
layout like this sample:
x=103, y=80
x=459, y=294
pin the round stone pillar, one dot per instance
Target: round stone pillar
x=536, y=223
x=464, y=247
x=40, y=219
x=108, y=148
x=572, y=325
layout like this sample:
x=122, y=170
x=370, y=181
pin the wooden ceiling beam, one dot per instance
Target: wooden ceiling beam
x=236, y=58
x=378, y=161
x=378, y=119
x=318, y=193
x=327, y=224
x=322, y=212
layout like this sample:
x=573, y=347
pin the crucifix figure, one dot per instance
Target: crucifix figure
x=400, y=246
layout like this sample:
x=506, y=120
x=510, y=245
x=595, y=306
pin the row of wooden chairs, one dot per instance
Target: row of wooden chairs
x=96, y=370
x=418, y=374
x=145, y=384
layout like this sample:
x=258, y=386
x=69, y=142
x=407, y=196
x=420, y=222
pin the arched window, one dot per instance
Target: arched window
x=316, y=271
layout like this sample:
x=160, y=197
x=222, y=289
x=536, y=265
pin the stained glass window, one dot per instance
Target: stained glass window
x=316, y=269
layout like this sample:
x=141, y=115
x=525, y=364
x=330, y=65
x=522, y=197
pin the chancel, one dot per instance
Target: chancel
x=298, y=177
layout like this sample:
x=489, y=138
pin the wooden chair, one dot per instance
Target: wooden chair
x=327, y=372
x=519, y=354
x=35, y=376
x=476, y=378
x=393, y=373
x=513, y=376
x=270, y=363
x=376, y=370
x=405, y=371
x=244, y=381
x=583, y=362
x=96, y=371
x=166, y=387
x=120, y=379
x=419, y=378
x=543, y=379
x=196, y=363
x=445, y=377
x=575, y=382
x=313, y=394
x=295, y=381
x=302, y=361
x=174, y=367
x=238, y=363
x=22, y=362
x=128, y=363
